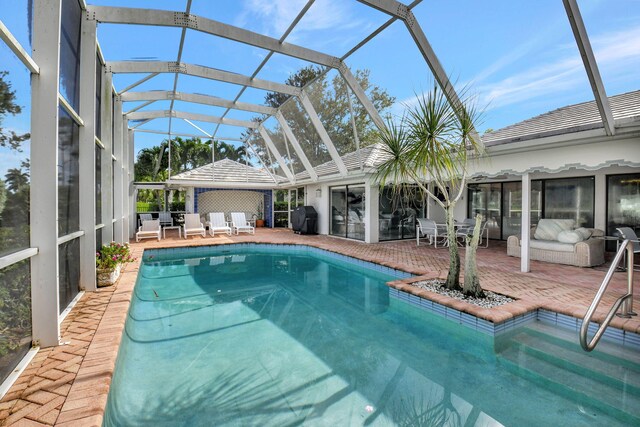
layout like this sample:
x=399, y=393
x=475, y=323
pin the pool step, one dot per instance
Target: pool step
x=602, y=379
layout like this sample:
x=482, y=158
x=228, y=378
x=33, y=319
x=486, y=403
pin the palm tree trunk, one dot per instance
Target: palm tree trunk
x=471, y=286
x=453, y=278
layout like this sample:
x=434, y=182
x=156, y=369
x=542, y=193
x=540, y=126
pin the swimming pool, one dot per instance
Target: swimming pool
x=273, y=336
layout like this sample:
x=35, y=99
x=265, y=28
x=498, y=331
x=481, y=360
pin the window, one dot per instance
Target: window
x=570, y=198
x=70, y=52
x=68, y=175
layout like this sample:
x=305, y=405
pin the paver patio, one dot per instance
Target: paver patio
x=68, y=385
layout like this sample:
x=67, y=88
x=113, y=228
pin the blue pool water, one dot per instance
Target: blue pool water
x=259, y=336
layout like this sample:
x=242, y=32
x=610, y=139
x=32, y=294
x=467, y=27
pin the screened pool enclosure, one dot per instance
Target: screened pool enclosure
x=86, y=86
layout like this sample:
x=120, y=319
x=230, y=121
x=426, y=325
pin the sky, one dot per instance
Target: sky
x=516, y=59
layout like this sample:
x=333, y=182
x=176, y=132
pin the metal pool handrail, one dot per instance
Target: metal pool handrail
x=626, y=301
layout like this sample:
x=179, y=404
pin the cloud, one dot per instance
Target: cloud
x=615, y=52
x=275, y=17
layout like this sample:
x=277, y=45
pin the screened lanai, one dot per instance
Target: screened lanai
x=88, y=86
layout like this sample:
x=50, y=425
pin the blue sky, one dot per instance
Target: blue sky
x=518, y=58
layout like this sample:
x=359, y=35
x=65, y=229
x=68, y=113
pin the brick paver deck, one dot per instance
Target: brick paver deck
x=68, y=385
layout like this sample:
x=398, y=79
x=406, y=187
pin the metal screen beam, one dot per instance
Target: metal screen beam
x=322, y=132
x=402, y=11
x=157, y=114
x=139, y=82
x=123, y=67
x=296, y=146
x=352, y=82
x=590, y=65
x=120, y=15
x=158, y=95
x=271, y=146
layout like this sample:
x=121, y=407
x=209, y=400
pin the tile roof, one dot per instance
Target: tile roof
x=228, y=171
x=572, y=118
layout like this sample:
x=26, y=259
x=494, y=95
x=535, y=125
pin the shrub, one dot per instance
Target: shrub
x=113, y=254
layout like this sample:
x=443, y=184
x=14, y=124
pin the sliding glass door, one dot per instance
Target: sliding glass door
x=347, y=211
x=397, y=213
x=623, y=204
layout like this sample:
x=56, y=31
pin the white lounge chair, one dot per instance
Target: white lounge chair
x=165, y=219
x=217, y=223
x=192, y=225
x=240, y=224
x=428, y=229
x=149, y=229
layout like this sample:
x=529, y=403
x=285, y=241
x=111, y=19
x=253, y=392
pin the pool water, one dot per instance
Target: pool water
x=266, y=337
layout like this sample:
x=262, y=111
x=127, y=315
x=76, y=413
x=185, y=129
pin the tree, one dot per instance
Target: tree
x=435, y=141
x=330, y=98
x=9, y=106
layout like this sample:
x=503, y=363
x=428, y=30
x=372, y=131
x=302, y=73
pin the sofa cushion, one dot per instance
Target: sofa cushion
x=550, y=245
x=548, y=229
x=584, y=232
x=570, y=236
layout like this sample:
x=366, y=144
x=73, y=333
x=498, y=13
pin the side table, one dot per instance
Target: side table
x=172, y=227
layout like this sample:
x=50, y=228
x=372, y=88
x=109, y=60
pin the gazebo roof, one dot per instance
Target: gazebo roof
x=228, y=171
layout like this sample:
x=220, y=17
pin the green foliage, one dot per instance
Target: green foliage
x=113, y=254
x=433, y=143
x=15, y=308
x=8, y=106
x=330, y=98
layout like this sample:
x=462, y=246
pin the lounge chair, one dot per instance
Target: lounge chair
x=428, y=229
x=144, y=217
x=165, y=219
x=149, y=229
x=217, y=223
x=192, y=225
x=240, y=224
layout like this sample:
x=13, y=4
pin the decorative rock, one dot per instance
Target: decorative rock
x=491, y=299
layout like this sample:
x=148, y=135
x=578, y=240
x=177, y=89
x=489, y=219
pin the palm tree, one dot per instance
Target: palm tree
x=430, y=148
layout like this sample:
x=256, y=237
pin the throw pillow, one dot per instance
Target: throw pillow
x=584, y=232
x=569, y=236
x=548, y=229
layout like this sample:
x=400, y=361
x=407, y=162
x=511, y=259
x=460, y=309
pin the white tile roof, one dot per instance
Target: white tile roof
x=228, y=171
x=572, y=118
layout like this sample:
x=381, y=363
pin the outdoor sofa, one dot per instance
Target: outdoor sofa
x=558, y=241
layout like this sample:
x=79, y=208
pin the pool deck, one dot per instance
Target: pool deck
x=68, y=385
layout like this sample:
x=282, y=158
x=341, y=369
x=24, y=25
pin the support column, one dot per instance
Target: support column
x=131, y=202
x=525, y=221
x=87, y=155
x=371, y=208
x=107, y=141
x=118, y=205
x=45, y=299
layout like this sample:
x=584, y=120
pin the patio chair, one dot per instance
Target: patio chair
x=628, y=233
x=466, y=227
x=149, y=229
x=144, y=217
x=192, y=225
x=217, y=223
x=428, y=229
x=165, y=219
x=240, y=224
